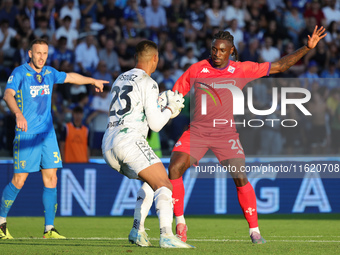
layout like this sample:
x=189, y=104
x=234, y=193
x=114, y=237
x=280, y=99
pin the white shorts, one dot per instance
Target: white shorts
x=129, y=157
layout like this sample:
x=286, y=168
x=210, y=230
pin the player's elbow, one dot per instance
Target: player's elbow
x=155, y=128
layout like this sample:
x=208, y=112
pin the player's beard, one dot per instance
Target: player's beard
x=38, y=64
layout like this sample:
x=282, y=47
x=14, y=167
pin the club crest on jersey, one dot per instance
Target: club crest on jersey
x=231, y=69
x=23, y=164
x=38, y=78
x=205, y=70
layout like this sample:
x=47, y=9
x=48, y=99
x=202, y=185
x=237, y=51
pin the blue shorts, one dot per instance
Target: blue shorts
x=35, y=152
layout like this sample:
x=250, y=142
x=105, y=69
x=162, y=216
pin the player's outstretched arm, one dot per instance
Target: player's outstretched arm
x=9, y=98
x=79, y=79
x=286, y=62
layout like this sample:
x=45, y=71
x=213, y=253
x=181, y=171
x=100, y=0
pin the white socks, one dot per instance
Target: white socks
x=251, y=230
x=143, y=204
x=164, y=209
x=180, y=219
x=48, y=227
x=2, y=220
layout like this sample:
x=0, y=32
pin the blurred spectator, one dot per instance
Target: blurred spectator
x=43, y=29
x=316, y=12
x=167, y=80
x=136, y=12
x=252, y=32
x=155, y=17
x=294, y=22
x=215, y=15
x=89, y=27
x=86, y=56
x=69, y=9
x=25, y=30
x=28, y=11
x=7, y=34
x=74, y=139
x=49, y=11
x=110, y=58
x=331, y=12
x=61, y=53
x=251, y=53
x=335, y=121
x=188, y=58
x=111, y=10
x=237, y=33
x=176, y=11
x=102, y=72
x=333, y=34
x=90, y=8
x=176, y=35
x=319, y=54
x=83, y=101
x=126, y=59
x=277, y=33
x=70, y=33
x=237, y=10
x=317, y=137
x=331, y=75
x=111, y=30
x=195, y=22
x=169, y=56
x=130, y=33
x=97, y=120
x=311, y=75
x=21, y=54
x=268, y=53
x=308, y=30
x=9, y=12
x=271, y=137
x=299, y=67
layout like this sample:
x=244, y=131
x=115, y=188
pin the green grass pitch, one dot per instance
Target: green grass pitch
x=227, y=234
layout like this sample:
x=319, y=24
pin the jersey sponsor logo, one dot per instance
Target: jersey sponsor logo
x=23, y=164
x=205, y=70
x=10, y=79
x=47, y=72
x=231, y=69
x=39, y=90
x=179, y=143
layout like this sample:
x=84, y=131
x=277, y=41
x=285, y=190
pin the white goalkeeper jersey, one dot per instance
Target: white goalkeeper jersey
x=134, y=108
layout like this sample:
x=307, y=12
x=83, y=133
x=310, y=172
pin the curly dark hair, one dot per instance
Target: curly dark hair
x=225, y=35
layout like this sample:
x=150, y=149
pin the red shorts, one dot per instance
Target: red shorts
x=223, y=146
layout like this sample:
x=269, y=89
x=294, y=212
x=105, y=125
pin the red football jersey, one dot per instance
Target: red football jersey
x=215, y=85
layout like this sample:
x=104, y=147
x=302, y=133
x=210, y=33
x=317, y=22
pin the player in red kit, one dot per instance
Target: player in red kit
x=223, y=141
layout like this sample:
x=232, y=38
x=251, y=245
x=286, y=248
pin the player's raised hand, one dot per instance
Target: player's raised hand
x=99, y=84
x=21, y=122
x=317, y=35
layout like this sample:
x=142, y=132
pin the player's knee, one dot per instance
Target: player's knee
x=176, y=170
x=18, y=182
x=165, y=183
x=51, y=181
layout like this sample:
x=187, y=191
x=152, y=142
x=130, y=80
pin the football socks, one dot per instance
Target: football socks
x=247, y=200
x=143, y=204
x=8, y=196
x=50, y=205
x=164, y=210
x=178, y=196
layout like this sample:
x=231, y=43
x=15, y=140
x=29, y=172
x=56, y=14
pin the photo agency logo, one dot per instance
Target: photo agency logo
x=221, y=94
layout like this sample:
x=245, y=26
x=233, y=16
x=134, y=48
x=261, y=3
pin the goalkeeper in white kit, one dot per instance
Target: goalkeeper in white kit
x=133, y=110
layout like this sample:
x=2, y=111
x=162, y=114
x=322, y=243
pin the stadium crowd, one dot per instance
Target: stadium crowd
x=97, y=38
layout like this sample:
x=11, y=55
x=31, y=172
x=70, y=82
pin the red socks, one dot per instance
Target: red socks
x=247, y=200
x=178, y=196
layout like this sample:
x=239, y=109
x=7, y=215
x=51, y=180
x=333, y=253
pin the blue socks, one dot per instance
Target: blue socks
x=8, y=196
x=50, y=205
